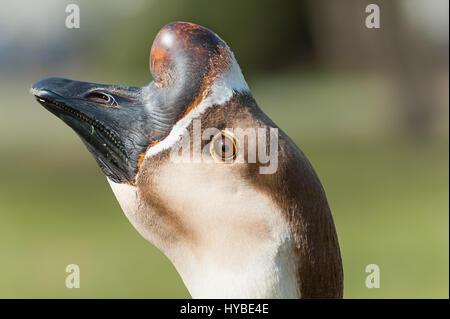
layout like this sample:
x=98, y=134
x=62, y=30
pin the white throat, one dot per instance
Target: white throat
x=227, y=264
x=271, y=274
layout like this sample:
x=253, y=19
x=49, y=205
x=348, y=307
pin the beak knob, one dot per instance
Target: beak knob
x=182, y=51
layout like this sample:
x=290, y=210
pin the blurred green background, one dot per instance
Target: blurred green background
x=369, y=107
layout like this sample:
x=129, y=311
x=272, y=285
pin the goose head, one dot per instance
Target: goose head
x=203, y=174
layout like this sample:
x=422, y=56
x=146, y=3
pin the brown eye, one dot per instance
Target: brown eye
x=101, y=98
x=223, y=147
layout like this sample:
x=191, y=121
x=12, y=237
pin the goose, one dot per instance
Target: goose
x=231, y=229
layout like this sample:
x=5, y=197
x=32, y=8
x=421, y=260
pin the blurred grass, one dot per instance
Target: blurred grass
x=389, y=197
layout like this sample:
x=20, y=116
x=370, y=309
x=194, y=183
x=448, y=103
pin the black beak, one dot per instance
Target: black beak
x=113, y=121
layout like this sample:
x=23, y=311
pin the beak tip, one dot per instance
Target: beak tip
x=37, y=92
x=46, y=84
x=34, y=91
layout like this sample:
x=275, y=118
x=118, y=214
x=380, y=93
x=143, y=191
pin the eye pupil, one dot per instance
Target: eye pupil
x=224, y=148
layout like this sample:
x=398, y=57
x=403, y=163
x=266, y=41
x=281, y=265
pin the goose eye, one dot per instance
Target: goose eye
x=223, y=147
x=101, y=98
